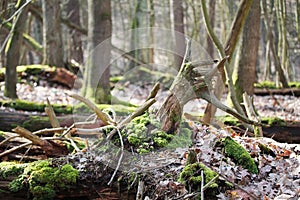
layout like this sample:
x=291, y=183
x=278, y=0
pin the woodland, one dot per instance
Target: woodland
x=149, y=99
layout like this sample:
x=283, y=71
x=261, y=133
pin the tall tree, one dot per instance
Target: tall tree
x=142, y=36
x=52, y=40
x=278, y=67
x=13, y=50
x=179, y=32
x=74, y=39
x=209, y=43
x=97, y=71
x=244, y=75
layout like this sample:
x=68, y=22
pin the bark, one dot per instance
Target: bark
x=210, y=45
x=75, y=44
x=230, y=44
x=141, y=35
x=277, y=64
x=13, y=52
x=245, y=74
x=179, y=33
x=52, y=38
x=188, y=85
x=97, y=71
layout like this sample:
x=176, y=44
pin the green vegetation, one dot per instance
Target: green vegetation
x=8, y=169
x=228, y=119
x=145, y=134
x=33, y=106
x=273, y=121
x=44, y=180
x=238, y=153
x=272, y=85
x=121, y=110
x=191, y=176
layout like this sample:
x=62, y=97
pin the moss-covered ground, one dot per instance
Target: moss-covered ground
x=40, y=178
x=239, y=154
x=144, y=134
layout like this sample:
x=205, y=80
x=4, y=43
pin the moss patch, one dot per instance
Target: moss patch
x=238, y=153
x=144, y=134
x=273, y=121
x=121, y=110
x=191, y=176
x=33, y=106
x=272, y=85
x=44, y=180
x=8, y=169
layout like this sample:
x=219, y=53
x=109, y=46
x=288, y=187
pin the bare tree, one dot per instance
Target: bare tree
x=13, y=51
x=97, y=71
x=52, y=40
x=245, y=73
x=74, y=37
x=179, y=32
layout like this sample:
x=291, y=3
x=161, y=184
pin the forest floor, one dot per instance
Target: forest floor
x=286, y=107
x=279, y=171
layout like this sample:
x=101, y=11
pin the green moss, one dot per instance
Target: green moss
x=294, y=84
x=121, y=110
x=265, y=84
x=273, y=121
x=134, y=140
x=191, y=176
x=183, y=139
x=272, y=85
x=33, y=106
x=227, y=119
x=116, y=79
x=44, y=180
x=238, y=153
x=8, y=169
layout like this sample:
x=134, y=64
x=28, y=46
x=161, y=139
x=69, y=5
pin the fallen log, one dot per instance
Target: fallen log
x=52, y=74
x=281, y=91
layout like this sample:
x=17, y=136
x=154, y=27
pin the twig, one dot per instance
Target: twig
x=140, y=190
x=49, y=130
x=93, y=107
x=202, y=188
x=7, y=139
x=154, y=91
x=51, y=114
x=15, y=149
x=120, y=158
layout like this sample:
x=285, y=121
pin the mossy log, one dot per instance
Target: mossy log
x=52, y=74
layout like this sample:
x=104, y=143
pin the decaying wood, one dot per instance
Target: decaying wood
x=281, y=91
x=50, y=148
x=190, y=84
x=51, y=74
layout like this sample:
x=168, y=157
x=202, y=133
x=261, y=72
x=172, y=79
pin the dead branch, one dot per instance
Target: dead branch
x=50, y=148
x=93, y=107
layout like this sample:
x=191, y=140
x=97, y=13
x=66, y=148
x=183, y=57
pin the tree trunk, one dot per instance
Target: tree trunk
x=210, y=45
x=277, y=64
x=141, y=36
x=75, y=45
x=244, y=77
x=52, y=39
x=97, y=71
x=230, y=44
x=179, y=33
x=13, y=52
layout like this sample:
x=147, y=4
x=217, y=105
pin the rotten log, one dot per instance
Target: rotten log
x=45, y=72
